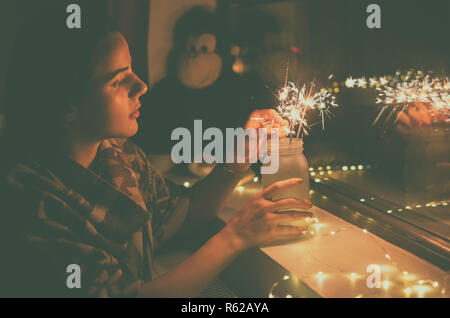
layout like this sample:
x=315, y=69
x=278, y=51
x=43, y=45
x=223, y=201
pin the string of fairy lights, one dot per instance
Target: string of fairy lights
x=407, y=282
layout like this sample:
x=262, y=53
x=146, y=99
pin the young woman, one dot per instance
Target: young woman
x=74, y=190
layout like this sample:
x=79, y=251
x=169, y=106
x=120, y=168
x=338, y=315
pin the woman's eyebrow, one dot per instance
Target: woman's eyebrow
x=113, y=74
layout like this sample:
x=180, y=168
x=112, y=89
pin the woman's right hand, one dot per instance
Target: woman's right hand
x=258, y=224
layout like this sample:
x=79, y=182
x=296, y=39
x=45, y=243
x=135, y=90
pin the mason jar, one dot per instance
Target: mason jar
x=292, y=164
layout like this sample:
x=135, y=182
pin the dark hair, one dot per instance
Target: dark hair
x=48, y=70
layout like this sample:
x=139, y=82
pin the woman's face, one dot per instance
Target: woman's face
x=111, y=102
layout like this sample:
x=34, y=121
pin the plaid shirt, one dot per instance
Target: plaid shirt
x=108, y=219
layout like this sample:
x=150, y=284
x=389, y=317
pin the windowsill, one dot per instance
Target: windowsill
x=337, y=249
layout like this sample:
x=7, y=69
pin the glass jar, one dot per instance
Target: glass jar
x=292, y=164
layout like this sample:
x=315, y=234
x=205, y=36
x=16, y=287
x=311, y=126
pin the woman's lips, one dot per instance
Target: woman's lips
x=136, y=113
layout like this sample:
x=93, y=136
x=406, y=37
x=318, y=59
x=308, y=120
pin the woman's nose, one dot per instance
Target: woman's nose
x=138, y=88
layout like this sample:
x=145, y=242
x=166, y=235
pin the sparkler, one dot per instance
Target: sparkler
x=295, y=102
x=399, y=93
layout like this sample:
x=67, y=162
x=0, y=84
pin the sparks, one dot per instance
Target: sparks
x=295, y=102
x=397, y=94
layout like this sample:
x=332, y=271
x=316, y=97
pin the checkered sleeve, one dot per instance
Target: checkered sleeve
x=168, y=202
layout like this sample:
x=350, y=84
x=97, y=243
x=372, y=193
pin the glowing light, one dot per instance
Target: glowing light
x=288, y=296
x=386, y=284
x=408, y=291
x=321, y=173
x=312, y=174
x=186, y=184
x=324, y=197
x=418, y=206
x=320, y=168
x=329, y=172
x=420, y=290
x=255, y=179
x=435, y=284
x=328, y=167
x=362, y=200
x=344, y=168
x=352, y=168
x=317, y=180
x=389, y=211
x=312, y=232
x=353, y=276
x=240, y=188
x=332, y=232
x=311, y=169
x=405, y=273
x=285, y=277
x=365, y=231
x=359, y=296
x=320, y=276
x=387, y=256
x=408, y=207
x=360, y=167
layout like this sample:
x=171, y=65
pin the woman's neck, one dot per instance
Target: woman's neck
x=83, y=152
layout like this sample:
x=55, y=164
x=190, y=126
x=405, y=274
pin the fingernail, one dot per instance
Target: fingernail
x=308, y=202
x=299, y=180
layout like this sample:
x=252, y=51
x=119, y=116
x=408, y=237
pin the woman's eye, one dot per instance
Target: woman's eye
x=118, y=83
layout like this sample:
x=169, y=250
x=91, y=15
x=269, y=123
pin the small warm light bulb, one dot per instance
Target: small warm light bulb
x=408, y=207
x=329, y=172
x=186, y=184
x=328, y=167
x=255, y=179
x=321, y=173
x=324, y=197
x=320, y=168
x=317, y=180
x=288, y=296
x=364, y=230
x=418, y=206
x=285, y=277
x=311, y=169
x=271, y=295
x=332, y=232
x=386, y=284
x=240, y=188
x=435, y=284
x=313, y=174
x=360, y=167
x=388, y=257
x=352, y=168
x=344, y=168
x=312, y=232
x=359, y=296
x=362, y=200
x=389, y=211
